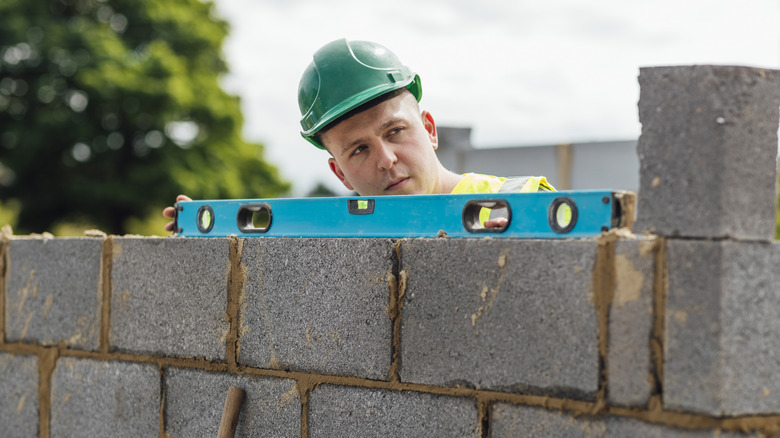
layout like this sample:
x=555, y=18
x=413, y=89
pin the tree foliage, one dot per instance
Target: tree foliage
x=109, y=108
x=320, y=191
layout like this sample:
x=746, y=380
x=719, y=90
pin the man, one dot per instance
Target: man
x=360, y=103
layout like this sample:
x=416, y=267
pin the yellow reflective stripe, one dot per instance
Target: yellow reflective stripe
x=532, y=185
x=544, y=184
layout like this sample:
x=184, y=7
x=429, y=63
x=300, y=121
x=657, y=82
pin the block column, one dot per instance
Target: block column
x=708, y=151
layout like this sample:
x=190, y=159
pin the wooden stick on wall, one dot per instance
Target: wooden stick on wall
x=233, y=402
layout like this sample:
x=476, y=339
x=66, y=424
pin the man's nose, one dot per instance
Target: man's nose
x=386, y=156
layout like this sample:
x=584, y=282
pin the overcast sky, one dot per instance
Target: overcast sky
x=517, y=72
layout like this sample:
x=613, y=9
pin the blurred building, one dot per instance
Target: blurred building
x=570, y=166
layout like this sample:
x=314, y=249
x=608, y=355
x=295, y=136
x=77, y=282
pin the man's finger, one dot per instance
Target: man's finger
x=496, y=223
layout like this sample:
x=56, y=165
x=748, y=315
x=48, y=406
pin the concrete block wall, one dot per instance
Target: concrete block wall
x=669, y=333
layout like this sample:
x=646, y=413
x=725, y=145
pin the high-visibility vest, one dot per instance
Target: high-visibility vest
x=478, y=183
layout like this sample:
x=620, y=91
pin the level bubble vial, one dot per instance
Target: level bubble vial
x=562, y=215
x=205, y=218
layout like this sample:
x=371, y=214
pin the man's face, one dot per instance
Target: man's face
x=388, y=149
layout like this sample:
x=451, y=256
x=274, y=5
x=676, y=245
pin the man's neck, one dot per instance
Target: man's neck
x=447, y=181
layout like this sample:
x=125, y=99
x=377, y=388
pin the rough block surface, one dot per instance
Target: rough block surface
x=363, y=412
x=521, y=421
x=318, y=305
x=19, y=400
x=169, y=296
x=506, y=315
x=96, y=398
x=629, y=362
x=194, y=401
x=707, y=151
x=53, y=291
x=721, y=326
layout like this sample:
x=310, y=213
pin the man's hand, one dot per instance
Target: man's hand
x=496, y=223
x=169, y=211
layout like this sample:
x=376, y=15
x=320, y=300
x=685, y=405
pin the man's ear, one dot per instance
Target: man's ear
x=430, y=126
x=334, y=167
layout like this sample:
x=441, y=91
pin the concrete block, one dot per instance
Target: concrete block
x=53, y=291
x=364, y=412
x=629, y=361
x=318, y=305
x=195, y=398
x=708, y=151
x=522, y=421
x=169, y=296
x=509, y=315
x=722, y=328
x=19, y=401
x=96, y=398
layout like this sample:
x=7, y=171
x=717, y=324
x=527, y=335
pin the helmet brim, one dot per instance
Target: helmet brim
x=357, y=100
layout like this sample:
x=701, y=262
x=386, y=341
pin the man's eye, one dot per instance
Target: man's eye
x=358, y=150
x=394, y=131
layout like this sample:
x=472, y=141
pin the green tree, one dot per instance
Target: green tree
x=320, y=191
x=109, y=108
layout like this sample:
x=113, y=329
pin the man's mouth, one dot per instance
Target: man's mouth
x=397, y=185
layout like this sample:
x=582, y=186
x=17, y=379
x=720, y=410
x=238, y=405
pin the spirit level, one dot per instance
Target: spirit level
x=567, y=214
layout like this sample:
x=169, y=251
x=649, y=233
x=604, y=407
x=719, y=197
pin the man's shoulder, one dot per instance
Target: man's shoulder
x=478, y=183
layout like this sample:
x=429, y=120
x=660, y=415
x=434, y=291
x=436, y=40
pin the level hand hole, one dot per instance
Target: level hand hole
x=254, y=218
x=486, y=216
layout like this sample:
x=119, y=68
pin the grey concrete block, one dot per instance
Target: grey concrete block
x=722, y=328
x=629, y=361
x=96, y=398
x=195, y=398
x=318, y=305
x=53, y=291
x=510, y=315
x=522, y=421
x=19, y=400
x=169, y=296
x=707, y=151
x=364, y=412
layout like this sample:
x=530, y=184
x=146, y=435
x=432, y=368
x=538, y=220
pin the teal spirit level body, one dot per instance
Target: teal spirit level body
x=567, y=214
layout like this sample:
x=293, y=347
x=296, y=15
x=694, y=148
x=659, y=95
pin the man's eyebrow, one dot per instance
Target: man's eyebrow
x=379, y=130
x=352, y=144
x=388, y=124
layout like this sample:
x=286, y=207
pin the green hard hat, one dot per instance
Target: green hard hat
x=344, y=75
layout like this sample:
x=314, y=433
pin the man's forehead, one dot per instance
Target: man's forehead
x=383, y=110
x=395, y=109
